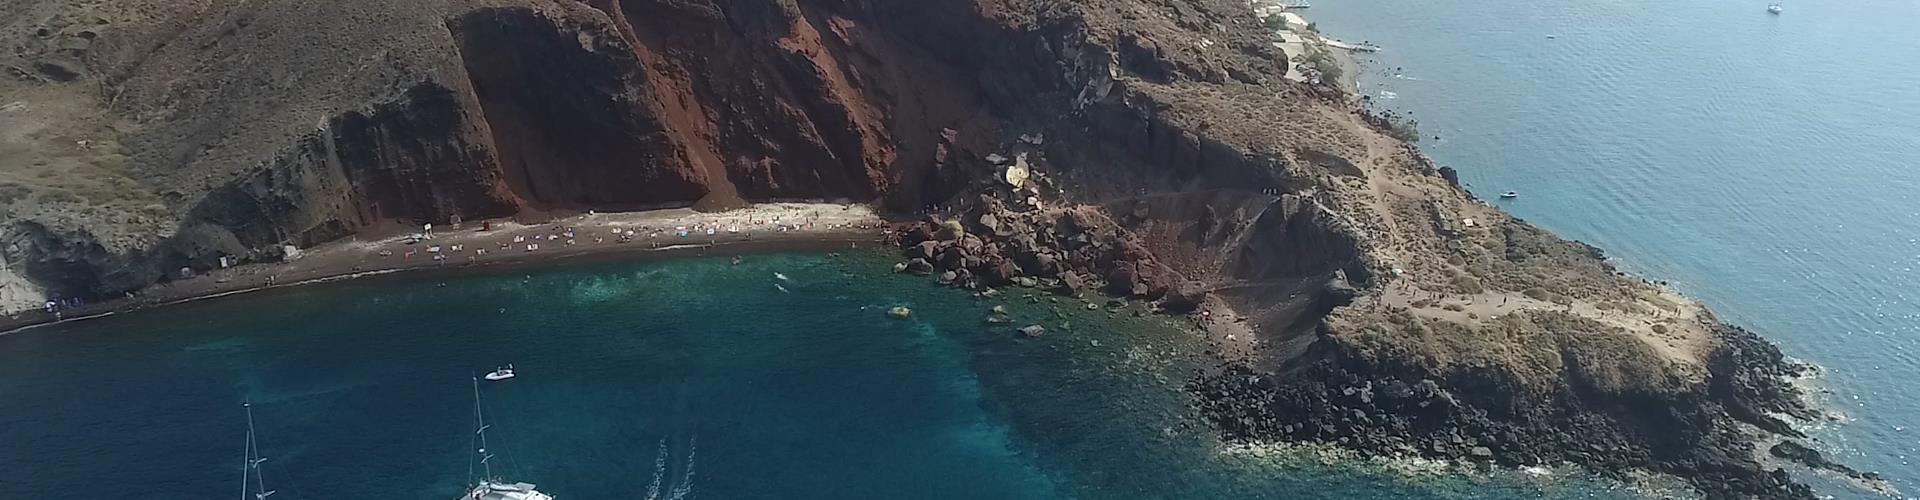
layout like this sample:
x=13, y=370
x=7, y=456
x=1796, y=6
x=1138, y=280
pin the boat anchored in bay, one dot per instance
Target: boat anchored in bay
x=250, y=472
x=501, y=373
x=491, y=487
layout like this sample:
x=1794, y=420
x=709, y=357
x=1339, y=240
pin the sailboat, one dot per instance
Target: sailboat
x=250, y=472
x=491, y=487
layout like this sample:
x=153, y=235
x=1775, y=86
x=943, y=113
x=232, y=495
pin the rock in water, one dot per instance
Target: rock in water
x=1033, y=330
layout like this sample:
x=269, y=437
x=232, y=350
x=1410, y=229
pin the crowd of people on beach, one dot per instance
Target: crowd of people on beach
x=56, y=305
x=567, y=234
x=486, y=239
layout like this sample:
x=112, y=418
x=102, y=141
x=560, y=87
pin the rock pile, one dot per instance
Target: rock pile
x=1070, y=251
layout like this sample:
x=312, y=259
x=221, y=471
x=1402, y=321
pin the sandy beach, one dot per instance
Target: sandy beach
x=491, y=243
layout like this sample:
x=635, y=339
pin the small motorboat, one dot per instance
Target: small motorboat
x=1775, y=9
x=781, y=277
x=501, y=373
x=1510, y=194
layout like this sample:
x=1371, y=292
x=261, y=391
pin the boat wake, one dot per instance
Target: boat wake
x=678, y=490
x=659, y=470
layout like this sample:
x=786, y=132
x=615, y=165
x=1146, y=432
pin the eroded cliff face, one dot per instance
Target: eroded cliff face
x=448, y=110
x=1177, y=165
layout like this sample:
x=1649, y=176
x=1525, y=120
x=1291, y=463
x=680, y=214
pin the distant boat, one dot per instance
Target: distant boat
x=491, y=487
x=501, y=373
x=1775, y=8
x=250, y=472
x=781, y=277
x=1510, y=194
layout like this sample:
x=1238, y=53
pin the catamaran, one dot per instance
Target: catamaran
x=491, y=487
x=250, y=471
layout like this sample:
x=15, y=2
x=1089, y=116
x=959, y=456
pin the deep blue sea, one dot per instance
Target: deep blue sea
x=679, y=379
x=1767, y=165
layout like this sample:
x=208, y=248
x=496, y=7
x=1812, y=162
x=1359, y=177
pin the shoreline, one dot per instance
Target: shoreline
x=502, y=244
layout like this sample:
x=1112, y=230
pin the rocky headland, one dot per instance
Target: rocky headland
x=1148, y=150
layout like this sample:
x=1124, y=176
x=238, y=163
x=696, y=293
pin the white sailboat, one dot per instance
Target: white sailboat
x=489, y=486
x=250, y=471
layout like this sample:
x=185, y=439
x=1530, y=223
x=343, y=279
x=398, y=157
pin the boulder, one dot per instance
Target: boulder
x=920, y=267
x=949, y=277
x=1072, y=283
x=999, y=273
x=1124, y=281
x=900, y=267
x=924, y=250
x=1033, y=330
x=915, y=234
x=990, y=223
x=953, y=257
x=972, y=244
x=1185, y=298
x=1132, y=249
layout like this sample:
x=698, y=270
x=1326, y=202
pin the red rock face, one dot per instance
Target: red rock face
x=648, y=103
x=574, y=120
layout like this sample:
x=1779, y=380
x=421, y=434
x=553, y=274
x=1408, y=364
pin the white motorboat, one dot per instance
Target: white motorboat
x=1510, y=194
x=1775, y=8
x=489, y=486
x=501, y=373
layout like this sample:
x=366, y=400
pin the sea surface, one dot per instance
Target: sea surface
x=688, y=378
x=1767, y=165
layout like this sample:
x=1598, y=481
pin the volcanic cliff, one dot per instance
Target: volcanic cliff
x=1393, y=312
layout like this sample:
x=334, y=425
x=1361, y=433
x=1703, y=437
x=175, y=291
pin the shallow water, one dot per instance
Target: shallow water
x=1764, y=164
x=678, y=379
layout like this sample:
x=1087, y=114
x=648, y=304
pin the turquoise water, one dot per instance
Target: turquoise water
x=1764, y=164
x=698, y=373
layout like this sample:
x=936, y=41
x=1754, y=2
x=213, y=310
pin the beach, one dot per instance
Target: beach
x=504, y=242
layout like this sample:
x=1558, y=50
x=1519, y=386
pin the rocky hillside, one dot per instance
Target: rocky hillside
x=1388, y=310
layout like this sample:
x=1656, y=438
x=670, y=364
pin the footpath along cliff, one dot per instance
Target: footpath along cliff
x=1378, y=305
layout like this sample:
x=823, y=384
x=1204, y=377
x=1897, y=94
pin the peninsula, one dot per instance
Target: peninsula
x=1154, y=150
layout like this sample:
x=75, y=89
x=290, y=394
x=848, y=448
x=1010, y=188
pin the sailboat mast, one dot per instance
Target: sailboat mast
x=480, y=428
x=250, y=473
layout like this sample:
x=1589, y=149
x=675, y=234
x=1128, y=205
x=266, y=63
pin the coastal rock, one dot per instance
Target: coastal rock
x=920, y=267
x=1184, y=298
x=1033, y=330
x=925, y=250
x=1125, y=281
x=1000, y=273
